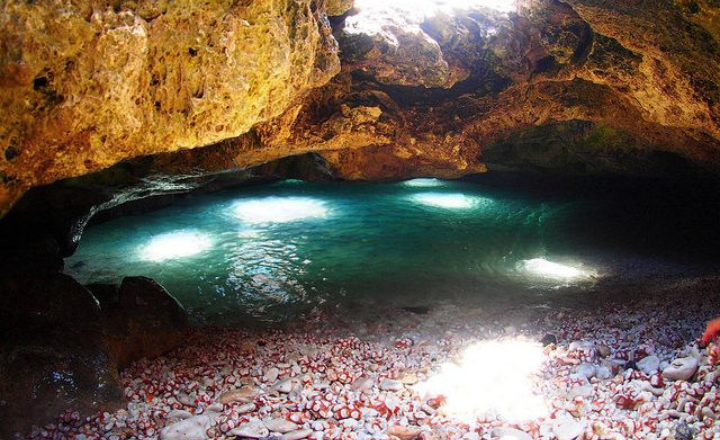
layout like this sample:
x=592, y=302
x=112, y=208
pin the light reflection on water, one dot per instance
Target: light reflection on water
x=287, y=249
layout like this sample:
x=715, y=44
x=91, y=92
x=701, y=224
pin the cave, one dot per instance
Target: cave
x=338, y=219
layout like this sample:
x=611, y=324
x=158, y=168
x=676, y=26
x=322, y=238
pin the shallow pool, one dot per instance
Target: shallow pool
x=292, y=248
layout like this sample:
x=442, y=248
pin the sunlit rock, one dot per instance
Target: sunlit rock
x=88, y=85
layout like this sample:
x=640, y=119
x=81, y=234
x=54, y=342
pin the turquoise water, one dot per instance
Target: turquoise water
x=292, y=248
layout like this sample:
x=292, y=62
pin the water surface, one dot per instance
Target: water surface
x=290, y=248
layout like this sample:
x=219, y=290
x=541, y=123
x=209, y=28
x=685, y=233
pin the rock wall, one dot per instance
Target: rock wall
x=85, y=84
x=566, y=87
x=591, y=83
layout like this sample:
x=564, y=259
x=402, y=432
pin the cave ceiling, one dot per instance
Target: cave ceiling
x=374, y=92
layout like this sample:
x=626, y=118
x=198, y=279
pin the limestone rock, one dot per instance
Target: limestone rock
x=587, y=370
x=52, y=356
x=146, y=321
x=244, y=394
x=603, y=350
x=272, y=374
x=85, y=86
x=178, y=414
x=284, y=386
x=297, y=435
x=593, y=88
x=362, y=383
x=580, y=391
x=338, y=7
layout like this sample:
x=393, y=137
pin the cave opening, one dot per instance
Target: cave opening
x=361, y=220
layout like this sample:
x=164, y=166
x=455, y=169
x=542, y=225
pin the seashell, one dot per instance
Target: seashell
x=320, y=425
x=403, y=343
x=298, y=417
x=681, y=369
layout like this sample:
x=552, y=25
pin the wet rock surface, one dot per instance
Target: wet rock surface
x=144, y=320
x=324, y=362
x=52, y=356
x=61, y=348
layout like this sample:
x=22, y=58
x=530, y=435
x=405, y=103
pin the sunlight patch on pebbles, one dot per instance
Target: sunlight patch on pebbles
x=494, y=377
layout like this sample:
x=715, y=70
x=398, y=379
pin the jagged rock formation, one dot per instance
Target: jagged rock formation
x=577, y=86
x=86, y=84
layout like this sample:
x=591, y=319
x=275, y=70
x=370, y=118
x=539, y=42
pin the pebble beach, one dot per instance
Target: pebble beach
x=622, y=369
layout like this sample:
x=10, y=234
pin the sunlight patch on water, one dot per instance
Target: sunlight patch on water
x=449, y=201
x=492, y=377
x=280, y=209
x=250, y=234
x=173, y=245
x=549, y=269
x=423, y=183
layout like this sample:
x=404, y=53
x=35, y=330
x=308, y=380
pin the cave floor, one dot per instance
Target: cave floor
x=445, y=372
